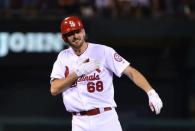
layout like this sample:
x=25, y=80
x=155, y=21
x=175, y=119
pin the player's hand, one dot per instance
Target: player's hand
x=87, y=67
x=155, y=102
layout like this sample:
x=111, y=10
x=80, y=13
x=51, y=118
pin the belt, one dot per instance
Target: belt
x=92, y=111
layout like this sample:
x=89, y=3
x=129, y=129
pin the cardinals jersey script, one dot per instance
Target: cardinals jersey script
x=95, y=89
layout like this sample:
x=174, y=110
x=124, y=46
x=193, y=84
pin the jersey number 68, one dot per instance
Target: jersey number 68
x=92, y=86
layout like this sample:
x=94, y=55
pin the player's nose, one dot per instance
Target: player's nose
x=76, y=33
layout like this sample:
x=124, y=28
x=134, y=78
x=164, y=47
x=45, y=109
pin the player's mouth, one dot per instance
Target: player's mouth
x=76, y=40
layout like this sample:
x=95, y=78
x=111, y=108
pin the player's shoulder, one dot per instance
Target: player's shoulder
x=100, y=46
x=64, y=53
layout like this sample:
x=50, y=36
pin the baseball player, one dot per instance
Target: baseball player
x=83, y=73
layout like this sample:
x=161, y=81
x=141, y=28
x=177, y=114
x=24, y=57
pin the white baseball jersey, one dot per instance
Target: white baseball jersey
x=95, y=89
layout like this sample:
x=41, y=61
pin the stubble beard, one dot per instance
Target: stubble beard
x=77, y=46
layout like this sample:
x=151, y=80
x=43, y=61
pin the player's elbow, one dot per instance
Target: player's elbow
x=53, y=91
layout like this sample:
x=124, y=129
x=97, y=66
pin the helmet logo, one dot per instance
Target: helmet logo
x=79, y=23
x=72, y=23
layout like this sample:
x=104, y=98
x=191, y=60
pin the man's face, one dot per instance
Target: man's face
x=76, y=38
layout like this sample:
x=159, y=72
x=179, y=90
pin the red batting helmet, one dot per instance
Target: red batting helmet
x=71, y=23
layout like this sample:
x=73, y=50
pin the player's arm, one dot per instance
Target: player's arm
x=137, y=78
x=155, y=102
x=59, y=85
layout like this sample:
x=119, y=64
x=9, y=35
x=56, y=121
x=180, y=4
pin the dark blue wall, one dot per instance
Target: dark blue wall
x=163, y=50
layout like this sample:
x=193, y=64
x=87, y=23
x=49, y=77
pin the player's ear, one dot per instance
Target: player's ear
x=64, y=38
x=84, y=34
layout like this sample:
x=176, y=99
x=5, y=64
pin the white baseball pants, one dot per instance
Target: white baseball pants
x=105, y=121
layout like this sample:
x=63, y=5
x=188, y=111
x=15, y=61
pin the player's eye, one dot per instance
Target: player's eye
x=77, y=31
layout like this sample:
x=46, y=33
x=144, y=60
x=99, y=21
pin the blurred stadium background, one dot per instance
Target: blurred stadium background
x=156, y=36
